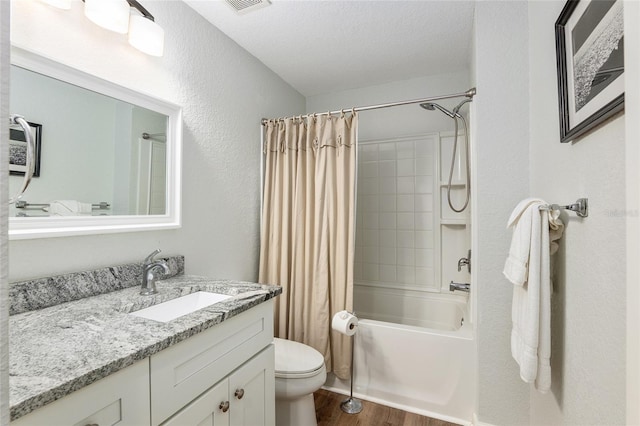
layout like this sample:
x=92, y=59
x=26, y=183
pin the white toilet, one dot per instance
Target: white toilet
x=300, y=371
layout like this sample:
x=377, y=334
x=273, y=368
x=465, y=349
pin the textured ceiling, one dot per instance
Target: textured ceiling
x=325, y=46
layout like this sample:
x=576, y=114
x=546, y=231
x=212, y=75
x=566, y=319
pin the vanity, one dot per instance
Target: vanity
x=89, y=361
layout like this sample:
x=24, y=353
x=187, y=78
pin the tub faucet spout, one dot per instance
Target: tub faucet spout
x=149, y=269
x=466, y=287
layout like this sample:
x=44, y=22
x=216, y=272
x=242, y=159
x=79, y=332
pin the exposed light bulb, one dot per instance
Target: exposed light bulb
x=145, y=35
x=110, y=14
x=60, y=4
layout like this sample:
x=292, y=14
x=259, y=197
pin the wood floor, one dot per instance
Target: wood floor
x=328, y=413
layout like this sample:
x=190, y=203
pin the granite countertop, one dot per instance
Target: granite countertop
x=62, y=348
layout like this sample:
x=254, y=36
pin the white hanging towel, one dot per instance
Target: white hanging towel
x=535, y=235
x=68, y=208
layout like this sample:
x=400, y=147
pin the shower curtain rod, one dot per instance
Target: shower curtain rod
x=469, y=94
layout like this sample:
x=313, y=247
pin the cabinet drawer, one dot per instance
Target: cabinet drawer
x=181, y=373
x=119, y=399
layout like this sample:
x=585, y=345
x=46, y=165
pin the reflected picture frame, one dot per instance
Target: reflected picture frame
x=18, y=149
x=590, y=65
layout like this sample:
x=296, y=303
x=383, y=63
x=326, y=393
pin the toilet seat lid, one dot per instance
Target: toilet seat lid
x=293, y=358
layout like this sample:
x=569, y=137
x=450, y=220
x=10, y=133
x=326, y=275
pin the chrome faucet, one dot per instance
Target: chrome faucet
x=149, y=268
x=459, y=286
x=465, y=261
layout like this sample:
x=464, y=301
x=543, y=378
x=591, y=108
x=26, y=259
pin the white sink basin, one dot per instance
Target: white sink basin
x=172, y=309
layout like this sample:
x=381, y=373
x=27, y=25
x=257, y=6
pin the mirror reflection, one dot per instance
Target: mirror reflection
x=97, y=155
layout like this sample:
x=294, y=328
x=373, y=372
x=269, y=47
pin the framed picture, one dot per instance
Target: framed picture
x=18, y=149
x=590, y=64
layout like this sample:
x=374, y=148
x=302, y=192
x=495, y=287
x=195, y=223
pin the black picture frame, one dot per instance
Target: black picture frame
x=585, y=32
x=18, y=149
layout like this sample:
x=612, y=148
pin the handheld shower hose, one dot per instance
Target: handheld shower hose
x=456, y=115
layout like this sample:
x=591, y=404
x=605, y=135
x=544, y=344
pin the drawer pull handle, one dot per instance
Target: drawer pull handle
x=239, y=393
x=92, y=424
x=224, y=406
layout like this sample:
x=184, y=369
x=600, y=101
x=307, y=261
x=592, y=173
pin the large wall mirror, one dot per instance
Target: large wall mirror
x=108, y=157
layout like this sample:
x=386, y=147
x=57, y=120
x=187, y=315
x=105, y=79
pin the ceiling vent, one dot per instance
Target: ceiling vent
x=246, y=6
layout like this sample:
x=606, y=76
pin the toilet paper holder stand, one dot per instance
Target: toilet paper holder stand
x=351, y=405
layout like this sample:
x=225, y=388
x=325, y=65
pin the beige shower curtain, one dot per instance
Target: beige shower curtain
x=308, y=224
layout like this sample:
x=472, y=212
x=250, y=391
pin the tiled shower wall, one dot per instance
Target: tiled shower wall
x=408, y=240
x=397, y=180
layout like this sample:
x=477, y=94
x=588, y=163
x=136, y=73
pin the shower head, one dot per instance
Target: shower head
x=432, y=107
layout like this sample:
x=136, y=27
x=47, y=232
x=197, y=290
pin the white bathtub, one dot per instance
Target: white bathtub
x=421, y=370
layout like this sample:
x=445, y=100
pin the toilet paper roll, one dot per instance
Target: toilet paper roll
x=345, y=323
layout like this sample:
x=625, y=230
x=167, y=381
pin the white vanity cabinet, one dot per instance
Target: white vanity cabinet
x=244, y=398
x=121, y=398
x=185, y=371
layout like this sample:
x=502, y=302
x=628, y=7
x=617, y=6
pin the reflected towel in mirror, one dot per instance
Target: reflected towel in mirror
x=68, y=208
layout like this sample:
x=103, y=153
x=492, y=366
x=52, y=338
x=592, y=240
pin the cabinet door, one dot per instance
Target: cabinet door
x=121, y=398
x=252, y=391
x=211, y=409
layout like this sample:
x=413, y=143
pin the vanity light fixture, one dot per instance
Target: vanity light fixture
x=110, y=14
x=144, y=34
x=130, y=16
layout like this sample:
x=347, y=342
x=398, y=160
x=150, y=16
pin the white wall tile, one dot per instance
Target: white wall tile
x=387, y=273
x=405, y=150
x=370, y=254
x=387, y=238
x=424, y=258
x=405, y=203
x=387, y=185
x=406, y=274
x=406, y=167
x=369, y=203
x=368, y=169
x=370, y=272
x=388, y=255
x=388, y=220
x=406, y=185
x=425, y=276
x=424, y=239
x=405, y=221
x=424, y=221
x=405, y=256
x=424, y=149
x=368, y=152
x=424, y=185
x=370, y=238
x=370, y=220
x=424, y=203
x=424, y=166
x=367, y=186
x=387, y=168
x=406, y=239
x=387, y=151
x=387, y=203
